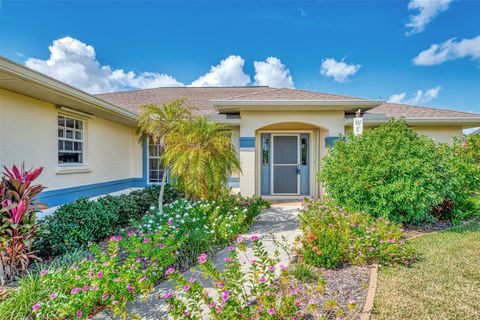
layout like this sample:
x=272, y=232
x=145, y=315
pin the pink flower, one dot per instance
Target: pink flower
x=298, y=303
x=43, y=272
x=104, y=297
x=220, y=284
x=262, y=280
x=129, y=287
x=86, y=288
x=168, y=296
x=75, y=290
x=267, y=293
x=169, y=222
x=146, y=240
x=294, y=292
x=282, y=267
x=225, y=296
x=170, y=270
x=271, y=268
x=186, y=288
x=131, y=233
x=161, y=246
x=95, y=288
x=36, y=306
x=240, y=239
x=254, y=238
x=79, y=314
x=231, y=248
x=271, y=311
x=202, y=258
x=53, y=295
x=228, y=259
x=99, y=274
x=192, y=280
x=116, y=238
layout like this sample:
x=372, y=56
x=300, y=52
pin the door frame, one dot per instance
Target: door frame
x=273, y=135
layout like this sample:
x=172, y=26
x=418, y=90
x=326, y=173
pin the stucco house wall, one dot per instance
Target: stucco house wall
x=28, y=131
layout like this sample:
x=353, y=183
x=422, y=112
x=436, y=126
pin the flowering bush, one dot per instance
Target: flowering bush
x=236, y=293
x=18, y=225
x=75, y=224
x=109, y=278
x=333, y=236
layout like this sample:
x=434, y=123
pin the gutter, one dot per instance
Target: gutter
x=425, y=121
x=282, y=102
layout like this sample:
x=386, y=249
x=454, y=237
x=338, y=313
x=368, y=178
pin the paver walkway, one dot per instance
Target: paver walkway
x=279, y=221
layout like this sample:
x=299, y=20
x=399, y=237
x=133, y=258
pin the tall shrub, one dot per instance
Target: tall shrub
x=389, y=171
x=18, y=219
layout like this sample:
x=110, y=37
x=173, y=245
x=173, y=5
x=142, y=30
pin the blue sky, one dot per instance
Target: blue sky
x=366, y=48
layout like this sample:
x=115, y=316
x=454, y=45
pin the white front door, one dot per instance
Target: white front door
x=285, y=175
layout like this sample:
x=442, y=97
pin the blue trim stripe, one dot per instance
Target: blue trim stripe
x=247, y=142
x=145, y=160
x=234, y=182
x=330, y=140
x=60, y=196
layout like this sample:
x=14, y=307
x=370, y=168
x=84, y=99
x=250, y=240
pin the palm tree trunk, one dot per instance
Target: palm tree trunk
x=162, y=190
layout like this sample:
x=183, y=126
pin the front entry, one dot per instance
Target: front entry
x=284, y=164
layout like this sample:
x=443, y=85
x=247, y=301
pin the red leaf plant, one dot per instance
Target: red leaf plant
x=18, y=225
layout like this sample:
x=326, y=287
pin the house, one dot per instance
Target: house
x=88, y=146
x=475, y=132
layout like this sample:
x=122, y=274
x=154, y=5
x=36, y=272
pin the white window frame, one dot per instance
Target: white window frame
x=73, y=140
x=160, y=171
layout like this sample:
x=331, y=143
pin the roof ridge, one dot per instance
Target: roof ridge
x=430, y=108
x=180, y=87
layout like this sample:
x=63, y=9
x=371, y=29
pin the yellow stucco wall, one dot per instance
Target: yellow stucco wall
x=437, y=133
x=28, y=132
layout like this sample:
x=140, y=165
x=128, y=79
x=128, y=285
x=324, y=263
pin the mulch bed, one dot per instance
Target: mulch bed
x=346, y=285
x=439, y=225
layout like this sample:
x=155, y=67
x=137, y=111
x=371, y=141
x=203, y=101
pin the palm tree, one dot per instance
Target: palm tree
x=201, y=157
x=157, y=122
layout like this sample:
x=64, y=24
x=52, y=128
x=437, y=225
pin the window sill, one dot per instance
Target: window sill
x=73, y=169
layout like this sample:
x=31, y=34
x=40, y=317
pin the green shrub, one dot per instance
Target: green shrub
x=304, y=272
x=389, y=171
x=75, y=224
x=332, y=236
x=463, y=161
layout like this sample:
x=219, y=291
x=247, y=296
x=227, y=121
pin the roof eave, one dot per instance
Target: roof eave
x=51, y=86
x=301, y=104
x=460, y=121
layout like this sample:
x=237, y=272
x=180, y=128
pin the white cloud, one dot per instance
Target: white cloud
x=228, y=73
x=338, y=70
x=427, y=11
x=272, y=72
x=75, y=63
x=397, y=98
x=419, y=97
x=449, y=50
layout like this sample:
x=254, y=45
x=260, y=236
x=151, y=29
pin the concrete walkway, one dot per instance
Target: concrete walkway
x=280, y=221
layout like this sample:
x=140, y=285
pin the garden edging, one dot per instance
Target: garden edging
x=372, y=288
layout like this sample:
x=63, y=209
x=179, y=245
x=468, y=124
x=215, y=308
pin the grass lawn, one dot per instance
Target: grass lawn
x=443, y=284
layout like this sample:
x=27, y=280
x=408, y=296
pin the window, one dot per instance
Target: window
x=155, y=169
x=70, y=140
x=304, y=151
x=265, y=151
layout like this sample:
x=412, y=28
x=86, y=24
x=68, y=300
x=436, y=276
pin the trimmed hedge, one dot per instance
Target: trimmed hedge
x=75, y=224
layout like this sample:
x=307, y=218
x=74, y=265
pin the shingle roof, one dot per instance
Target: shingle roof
x=201, y=99
x=198, y=97
x=396, y=110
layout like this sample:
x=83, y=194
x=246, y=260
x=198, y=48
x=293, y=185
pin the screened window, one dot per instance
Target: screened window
x=70, y=140
x=155, y=168
x=265, y=151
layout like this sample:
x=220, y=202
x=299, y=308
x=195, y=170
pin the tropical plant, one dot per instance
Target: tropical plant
x=18, y=219
x=201, y=156
x=389, y=171
x=156, y=122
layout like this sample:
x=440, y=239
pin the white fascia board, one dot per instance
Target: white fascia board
x=425, y=121
x=366, y=103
